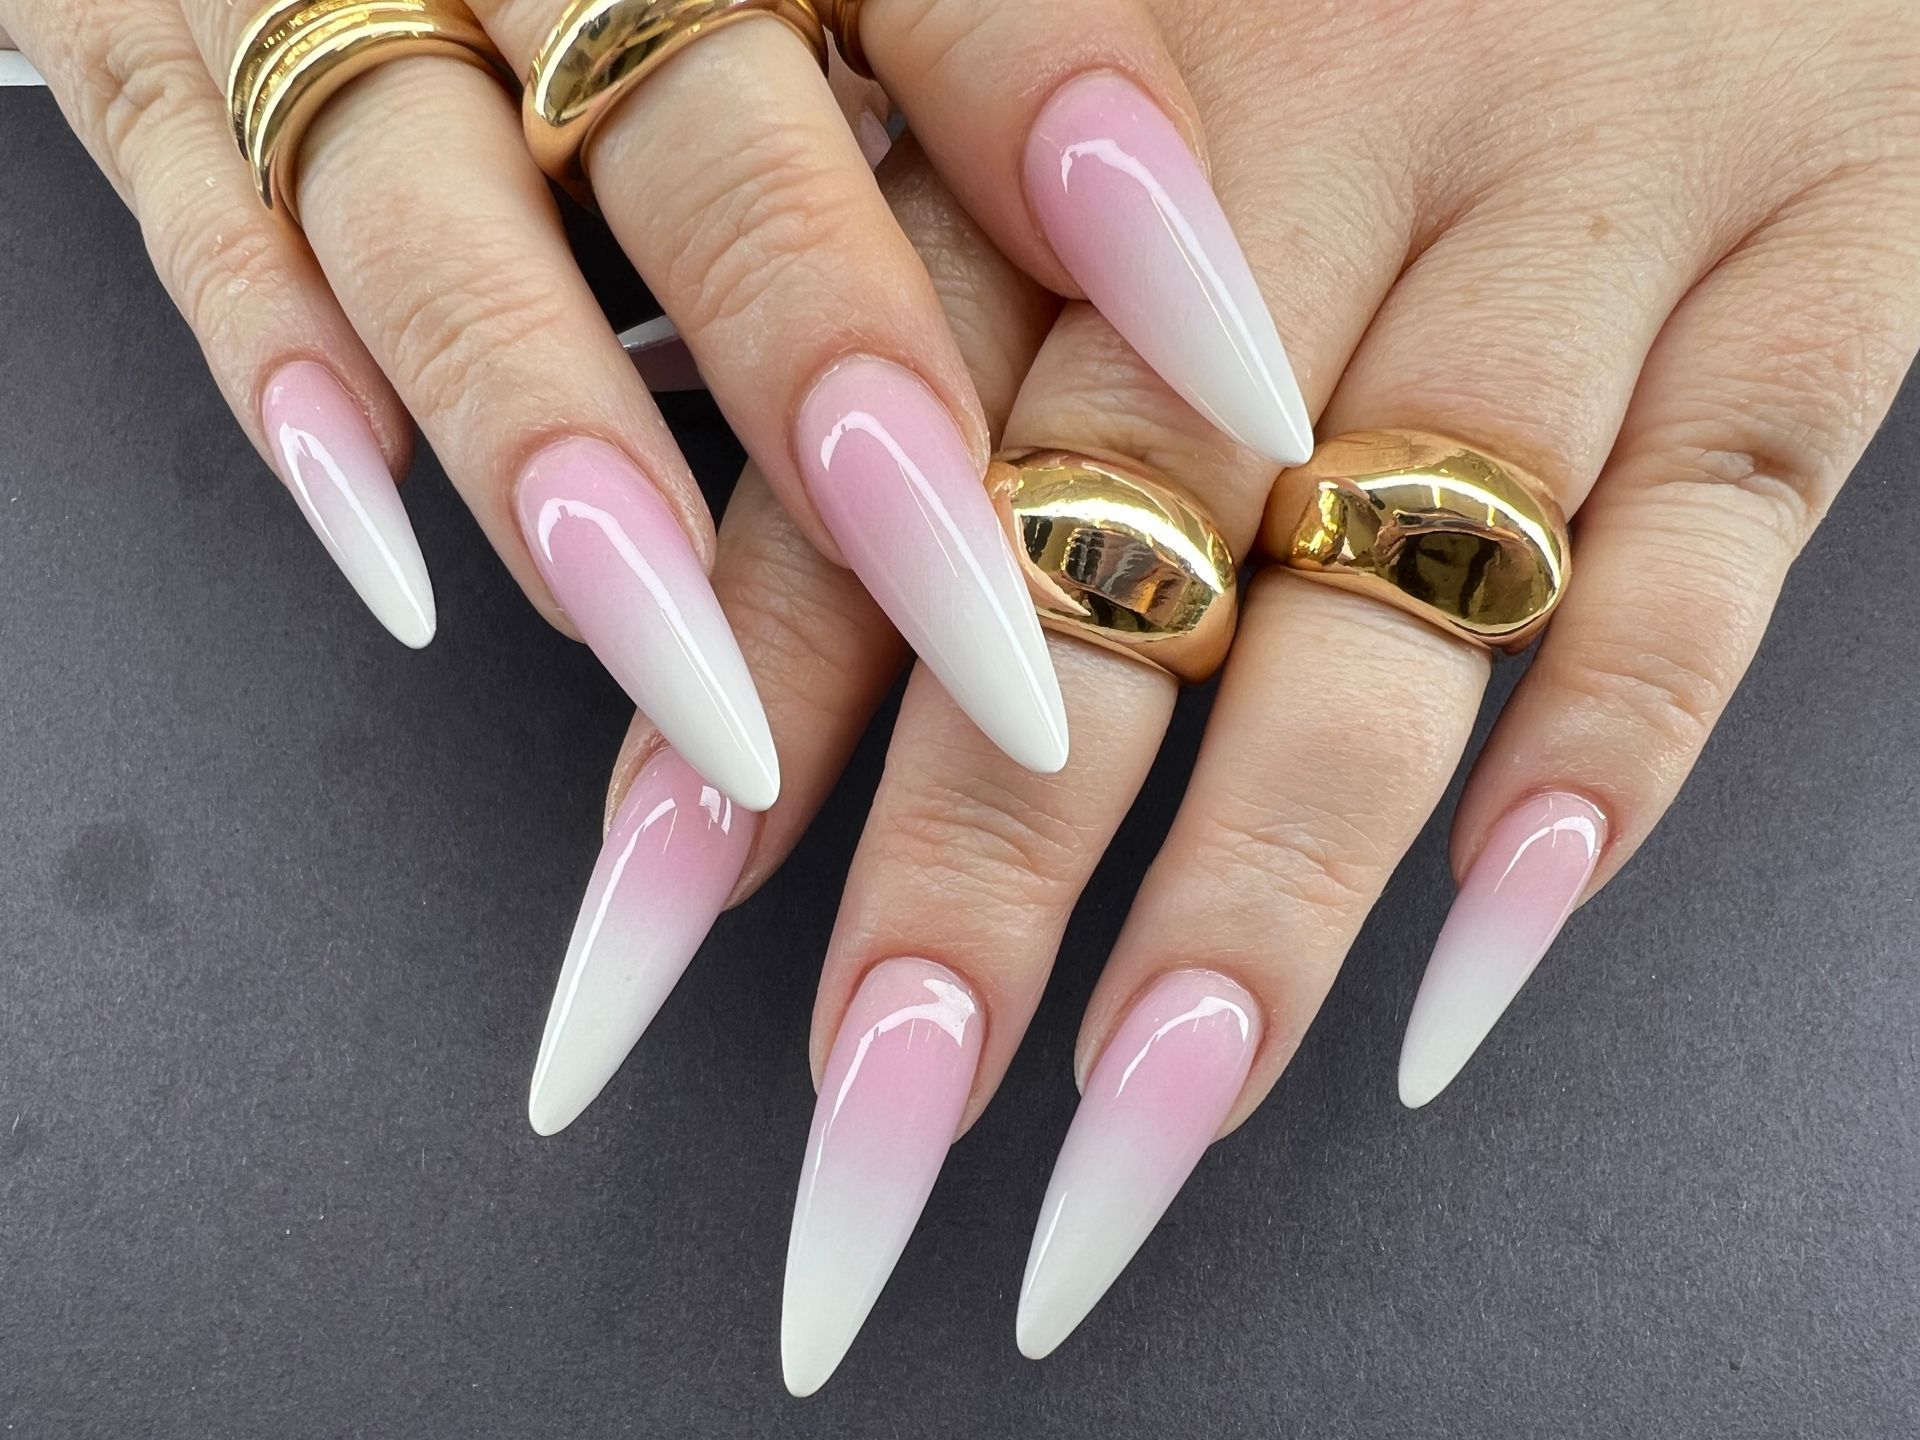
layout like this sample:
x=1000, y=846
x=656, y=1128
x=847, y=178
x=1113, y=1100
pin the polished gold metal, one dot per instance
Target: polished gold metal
x=1471, y=543
x=1114, y=555
x=843, y=19
x=297, y=54
x=602, y=49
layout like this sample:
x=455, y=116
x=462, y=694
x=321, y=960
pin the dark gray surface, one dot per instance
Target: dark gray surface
x=281, y=904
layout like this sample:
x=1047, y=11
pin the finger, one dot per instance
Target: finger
x=442, y=243
x=1762, y=392
x=823, y=654
x=967, y=863
x=1276, y=856
x=297, y=378
x=1066, y=129
x=744, y=200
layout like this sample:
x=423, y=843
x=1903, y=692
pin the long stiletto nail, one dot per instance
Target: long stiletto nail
x=890, y=1102
x=328, y=457
x=675, y=851
x=1129, y=211
x=623, y=569
x=1158, y=1096
x=1516, y=897
x=889, y=472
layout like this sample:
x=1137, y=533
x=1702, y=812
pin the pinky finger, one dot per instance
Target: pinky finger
x=132, y=84
x=1754, y=405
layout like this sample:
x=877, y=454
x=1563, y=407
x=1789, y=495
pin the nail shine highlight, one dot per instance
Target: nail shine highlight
x=328, y=457
x=890, y=1103
x=673, y=855
x=891, y=476
x=1130, y=213
x=1514, y=901
x=1154, y=1102
x=618, y=562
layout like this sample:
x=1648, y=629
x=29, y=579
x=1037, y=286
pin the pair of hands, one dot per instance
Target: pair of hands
x=1664, y=257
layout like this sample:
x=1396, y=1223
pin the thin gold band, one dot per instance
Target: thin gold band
x=602, y=49
x=1466, y=541
x=843, y=19
x=1112, y=554
x=298, y=54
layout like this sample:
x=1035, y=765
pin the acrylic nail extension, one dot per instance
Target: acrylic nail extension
x=889, y=472
x=1516, y=897
x=328, y=458
x=624, y=571
x=1157, y=1097
x=673, y=855
x=1130, y=213
x=890, y=1103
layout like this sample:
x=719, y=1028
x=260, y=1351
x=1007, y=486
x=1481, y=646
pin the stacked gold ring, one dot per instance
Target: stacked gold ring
x=602, y=49
x=1113, y=555
x=297, y=54
x=1468, y=542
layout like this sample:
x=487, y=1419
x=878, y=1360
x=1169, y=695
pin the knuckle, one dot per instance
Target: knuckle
x=209, y=265
x=1671, y=690
x=762, y=215
x=444, y=341
x=130, y=73
x=971, y=833
x=1326, y=864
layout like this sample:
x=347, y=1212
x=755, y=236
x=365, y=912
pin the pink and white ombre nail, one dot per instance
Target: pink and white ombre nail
x=891, y=476
x=330, y=460
x=1516, y=897
x=675, y=851
x=1129, y=211
x=620, y=565
x=890, y=1104
x=1157, y=1097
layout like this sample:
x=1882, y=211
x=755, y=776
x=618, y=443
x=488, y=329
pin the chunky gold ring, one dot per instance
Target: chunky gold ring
x=1112, y=554
x=602, y=49
x=297, y=54
x=843, y=19
x=1471, y=543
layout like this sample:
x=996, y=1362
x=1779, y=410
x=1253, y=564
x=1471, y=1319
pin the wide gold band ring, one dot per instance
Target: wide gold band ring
x=297, y=54
x=1114, y=555
x=843, y=19
x=1468, y=542
x=602, y=49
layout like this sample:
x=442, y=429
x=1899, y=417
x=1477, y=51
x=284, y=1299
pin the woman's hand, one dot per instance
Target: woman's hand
x=1668, y=259
x=433, y=275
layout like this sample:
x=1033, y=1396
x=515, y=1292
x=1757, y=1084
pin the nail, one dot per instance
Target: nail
x=328, y=457
x=1129, y=211
x=889, y=472
x=675, y=851
x=890, y=1104
x=1157, y=1097
x=1516, y=897
x=622, y=568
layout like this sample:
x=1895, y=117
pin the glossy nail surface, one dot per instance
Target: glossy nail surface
x=1129, y=211
x=622, y=568
x=676, y=849
x=889, y=472
x=328, y=457
x=1516, y=897
x=1154, y=1102
x=890, y=1102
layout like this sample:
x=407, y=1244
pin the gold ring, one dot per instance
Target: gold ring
x=1112, y=554
x=602, y=49
x=297, y=54
x=1468, y=542
x=843, y=19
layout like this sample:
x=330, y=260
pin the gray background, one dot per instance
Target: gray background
x=281, y=904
